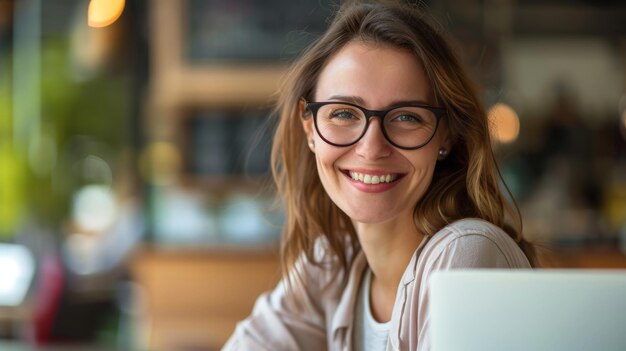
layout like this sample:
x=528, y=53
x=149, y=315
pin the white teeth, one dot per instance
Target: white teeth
x=373, y=179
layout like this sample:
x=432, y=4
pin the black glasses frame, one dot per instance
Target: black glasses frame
x=313, y=107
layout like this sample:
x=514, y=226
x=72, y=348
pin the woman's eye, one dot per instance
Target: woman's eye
x=408, y=118
x=343, y=114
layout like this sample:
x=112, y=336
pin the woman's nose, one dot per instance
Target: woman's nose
x=373, y=145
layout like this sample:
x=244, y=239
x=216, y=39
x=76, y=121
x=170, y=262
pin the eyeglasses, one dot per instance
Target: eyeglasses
x=409, y=127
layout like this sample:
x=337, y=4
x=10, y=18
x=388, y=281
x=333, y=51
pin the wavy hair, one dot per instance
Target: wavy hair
x=466, y=184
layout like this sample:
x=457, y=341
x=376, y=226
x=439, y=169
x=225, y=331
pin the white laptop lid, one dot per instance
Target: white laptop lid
x=537, y=310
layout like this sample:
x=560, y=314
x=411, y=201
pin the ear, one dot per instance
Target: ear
x=307, y=120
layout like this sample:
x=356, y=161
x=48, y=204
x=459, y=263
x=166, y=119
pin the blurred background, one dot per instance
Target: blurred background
x=136, y=207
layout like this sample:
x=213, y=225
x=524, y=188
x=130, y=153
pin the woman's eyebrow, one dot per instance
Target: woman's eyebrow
x=407, y=102
x=359, y=101
x=348, y=98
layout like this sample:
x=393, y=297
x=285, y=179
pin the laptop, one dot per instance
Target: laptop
x=539, y=310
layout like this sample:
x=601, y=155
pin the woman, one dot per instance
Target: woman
x=383, y=158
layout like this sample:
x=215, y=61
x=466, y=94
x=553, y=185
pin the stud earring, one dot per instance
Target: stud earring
x=312, y=143
x=443, y=153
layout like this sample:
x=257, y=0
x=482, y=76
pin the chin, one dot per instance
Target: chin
x=370, y=217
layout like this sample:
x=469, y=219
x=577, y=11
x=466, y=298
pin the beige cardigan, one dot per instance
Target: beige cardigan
x=325, y=319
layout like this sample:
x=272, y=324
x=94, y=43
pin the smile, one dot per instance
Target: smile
x=373, y=179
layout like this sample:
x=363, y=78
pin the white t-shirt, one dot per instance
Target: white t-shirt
x=369, y=334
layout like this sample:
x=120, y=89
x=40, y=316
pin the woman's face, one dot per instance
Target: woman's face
x=374, y=77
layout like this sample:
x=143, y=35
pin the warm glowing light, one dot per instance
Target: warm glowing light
x=102, y=13
x=504, y=123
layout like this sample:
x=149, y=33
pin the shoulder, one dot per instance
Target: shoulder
x=323, y=270
x=473, y=243
x=464, y=244
x=323, y=256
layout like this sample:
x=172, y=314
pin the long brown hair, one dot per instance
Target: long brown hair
x=465, y=184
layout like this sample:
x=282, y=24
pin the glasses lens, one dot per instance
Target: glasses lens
x=340, y=124
x=410, y=126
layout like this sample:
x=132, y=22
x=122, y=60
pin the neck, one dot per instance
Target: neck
x=388, y=248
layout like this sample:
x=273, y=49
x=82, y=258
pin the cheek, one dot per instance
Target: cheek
x=424, y=173
x=425, y=157
x=325, y=157
x=424, y=163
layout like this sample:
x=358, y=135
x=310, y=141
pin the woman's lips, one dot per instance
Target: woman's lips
x=373, y=181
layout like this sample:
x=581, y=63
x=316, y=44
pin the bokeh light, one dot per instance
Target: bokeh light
x=504, y=123
x=94, y=208
x=17, y=268
x=102, y=13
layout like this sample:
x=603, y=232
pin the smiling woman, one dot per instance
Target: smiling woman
x=382, y=77
x=383, y=158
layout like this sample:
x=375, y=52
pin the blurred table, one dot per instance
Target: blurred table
x=195, y=296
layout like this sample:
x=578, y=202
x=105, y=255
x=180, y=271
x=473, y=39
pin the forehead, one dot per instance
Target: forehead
x=379, y=75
